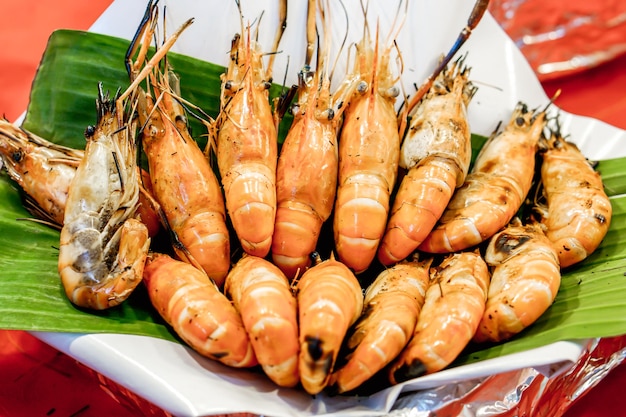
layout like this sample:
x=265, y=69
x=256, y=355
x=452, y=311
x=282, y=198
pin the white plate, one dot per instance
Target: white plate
x=185, y=384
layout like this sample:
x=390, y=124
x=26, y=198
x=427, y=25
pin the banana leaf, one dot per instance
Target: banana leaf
x=590, y=302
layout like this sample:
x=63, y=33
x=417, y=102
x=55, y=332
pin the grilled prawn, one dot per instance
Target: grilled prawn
x=197, y=311
x=306, y=174
x=369, y=149
x=44, y=170
x=329, y=302
x=103, y=247
x=577, y=212
x=182, y=181
x=262, y=295
x=495, y=188
x=247, y=148
x=392, y=305
x=437, y=152
x=525, y=280
x=454, y=305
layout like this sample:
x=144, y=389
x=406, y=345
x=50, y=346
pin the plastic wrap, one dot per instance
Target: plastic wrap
x=530, y=392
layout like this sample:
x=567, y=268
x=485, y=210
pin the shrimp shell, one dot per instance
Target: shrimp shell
x=369, y=149
x=197, y=311
x=392, y=305
x=44, y=170
x=185, y=186
x=495, y=188
x=306, y=179
x=525, y=280
x=247, y=147
x=330, y=300
x=262, y=295
x=578, y=212
x=102, y=247
x=455, y=302
x=437, y=151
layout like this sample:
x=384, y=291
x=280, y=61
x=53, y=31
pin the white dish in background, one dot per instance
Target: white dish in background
x=182, y=382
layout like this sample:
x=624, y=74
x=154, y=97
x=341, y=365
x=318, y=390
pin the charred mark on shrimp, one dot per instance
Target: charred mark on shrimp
x=413, y=370
x=507, y=243
x=314, y=347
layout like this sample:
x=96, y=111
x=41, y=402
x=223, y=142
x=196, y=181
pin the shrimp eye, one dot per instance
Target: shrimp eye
x=520, y=121
x=181, y=118
x=393, y=92
x=294, y=109
x=228, y=85
x=90, y=131
x=267, y=85
x=17, y=156
x=331, y=114
x=361, y=87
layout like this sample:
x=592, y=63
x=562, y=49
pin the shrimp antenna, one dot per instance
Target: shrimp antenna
x=343, y=42
x=366, y=28
x=551, y=102
x=395, y=24
x=475, y=16
x=282, y=25
x=310, y=29
x=241, y=29
x=139, y=33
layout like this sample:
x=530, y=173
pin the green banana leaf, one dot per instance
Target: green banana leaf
x=590, y=302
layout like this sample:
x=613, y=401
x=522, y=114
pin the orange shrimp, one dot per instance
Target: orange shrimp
x=247, y=147
x=577, y=213
x=197, y=311
x=525, y=280
x=182, y=180
x=102, y=246
x=455, y=302
x=392, y=305
x=437, y=152
x=306, y=174
x=495, y=188
x=369, y=149
x=262, y=295
x=44, y=170
x=330, y=300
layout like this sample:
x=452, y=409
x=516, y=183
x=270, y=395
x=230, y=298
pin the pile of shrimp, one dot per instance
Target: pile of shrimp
x=369, y=247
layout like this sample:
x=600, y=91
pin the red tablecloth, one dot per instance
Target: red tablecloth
x=35, y=379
